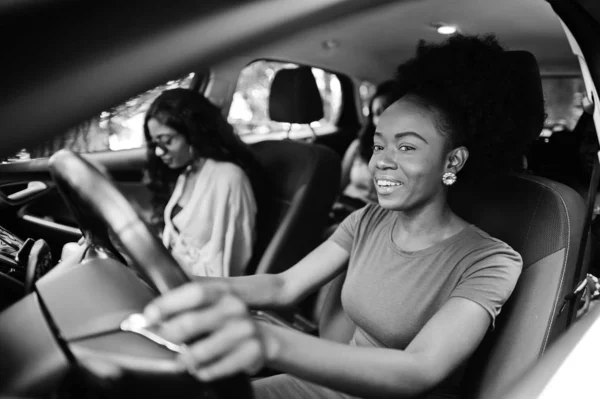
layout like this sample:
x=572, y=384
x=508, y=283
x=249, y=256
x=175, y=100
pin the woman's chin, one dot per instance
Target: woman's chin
x=172, y=164
x=390, y=203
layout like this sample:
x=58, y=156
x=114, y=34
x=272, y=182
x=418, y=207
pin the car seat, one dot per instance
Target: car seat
x=543, y=221
x=301, y=178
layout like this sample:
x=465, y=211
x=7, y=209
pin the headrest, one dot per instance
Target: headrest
x=527, y=83
x=295, y=97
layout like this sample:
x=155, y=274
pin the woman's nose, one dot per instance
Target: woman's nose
x=384, y=161
x=158, y=151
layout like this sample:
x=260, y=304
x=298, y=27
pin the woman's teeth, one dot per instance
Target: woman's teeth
x=388, y=183
x=385, y=187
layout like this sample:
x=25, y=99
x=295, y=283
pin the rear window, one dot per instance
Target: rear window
x=249, y=112
x=563, y=97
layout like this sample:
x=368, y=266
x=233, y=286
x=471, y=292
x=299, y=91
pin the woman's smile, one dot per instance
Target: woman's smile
x=386, y=185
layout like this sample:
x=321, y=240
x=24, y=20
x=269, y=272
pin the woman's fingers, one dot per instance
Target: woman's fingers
x=191, y=325
x=247, y=357
x=221, y=337
x=190, y=296
x=220, y=343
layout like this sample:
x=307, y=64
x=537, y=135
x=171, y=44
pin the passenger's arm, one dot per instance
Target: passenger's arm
x=347, y=161
x=238, y=240
x=265, y=291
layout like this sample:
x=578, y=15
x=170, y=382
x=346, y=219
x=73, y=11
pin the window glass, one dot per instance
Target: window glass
x=366, y=90
x=563, y=97
x=249, y=112
x=558, y=154
x=118, y=128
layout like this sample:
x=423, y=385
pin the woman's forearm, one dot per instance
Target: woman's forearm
x=364, y=372
x=261, y=291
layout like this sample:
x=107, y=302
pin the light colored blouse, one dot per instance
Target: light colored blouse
x=213, y=235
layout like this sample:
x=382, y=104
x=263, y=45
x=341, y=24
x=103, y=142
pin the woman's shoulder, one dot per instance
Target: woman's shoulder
x=484, y=238
x=227, y=171
x=483, y=245
x=372, y=215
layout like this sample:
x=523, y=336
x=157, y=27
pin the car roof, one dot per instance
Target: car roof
x=371, y=44
x=69, y=60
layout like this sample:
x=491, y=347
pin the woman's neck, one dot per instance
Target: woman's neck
x=426, y=225
x=196, y=165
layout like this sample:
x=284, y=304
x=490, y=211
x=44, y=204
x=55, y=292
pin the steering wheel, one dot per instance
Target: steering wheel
x=99, y=206
x=74, y=315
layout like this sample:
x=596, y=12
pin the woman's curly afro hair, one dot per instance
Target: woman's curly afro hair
x=468, y=83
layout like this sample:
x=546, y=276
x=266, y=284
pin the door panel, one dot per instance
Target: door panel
x=32, y=207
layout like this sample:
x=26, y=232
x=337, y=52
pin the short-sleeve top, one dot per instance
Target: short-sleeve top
x=390, y=294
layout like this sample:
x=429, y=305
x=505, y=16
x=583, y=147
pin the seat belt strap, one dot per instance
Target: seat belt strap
x=586, y=118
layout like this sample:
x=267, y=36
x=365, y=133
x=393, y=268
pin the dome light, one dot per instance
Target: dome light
x=446, y=29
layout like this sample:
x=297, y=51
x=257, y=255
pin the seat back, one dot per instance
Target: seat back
x=301, y=178
x=302, y=182
x=543, y=221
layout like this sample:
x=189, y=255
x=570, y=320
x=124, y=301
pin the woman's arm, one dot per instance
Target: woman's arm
x=236, y=343
x=349, y=156
x=287, y=288
x=447, y=340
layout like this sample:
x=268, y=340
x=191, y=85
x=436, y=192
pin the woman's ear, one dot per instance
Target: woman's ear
x=456, y=159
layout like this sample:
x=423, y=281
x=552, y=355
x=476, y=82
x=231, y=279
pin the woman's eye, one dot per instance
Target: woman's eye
x=377, y=148
x=405, y=147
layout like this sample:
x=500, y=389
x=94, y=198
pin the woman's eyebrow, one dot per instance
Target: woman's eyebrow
x=404, y=134
x=414, y=134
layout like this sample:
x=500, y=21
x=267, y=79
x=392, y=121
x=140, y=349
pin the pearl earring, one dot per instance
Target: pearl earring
x=449, y=178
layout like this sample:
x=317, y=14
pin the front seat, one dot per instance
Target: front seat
x=301, y=179
x=543, y=221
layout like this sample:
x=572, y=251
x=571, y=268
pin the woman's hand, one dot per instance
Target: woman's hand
x=222, y=338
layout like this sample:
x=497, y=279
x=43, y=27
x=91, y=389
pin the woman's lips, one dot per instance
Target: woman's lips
x=386, y=185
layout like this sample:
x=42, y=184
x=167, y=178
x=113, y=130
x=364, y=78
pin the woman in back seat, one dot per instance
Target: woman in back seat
x=422, y=285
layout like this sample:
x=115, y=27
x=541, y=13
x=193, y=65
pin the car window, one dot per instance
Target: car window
x=366, y=90
x=249, y=112
x=563, y=97
x=118, y=128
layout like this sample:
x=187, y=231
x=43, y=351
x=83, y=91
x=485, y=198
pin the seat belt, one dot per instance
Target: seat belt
x=585, y=122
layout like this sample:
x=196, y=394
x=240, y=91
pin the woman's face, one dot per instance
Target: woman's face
x=379, y=105
x=409, y=156
x=169, y=145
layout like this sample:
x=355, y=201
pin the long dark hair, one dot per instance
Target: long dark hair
x=206, y=130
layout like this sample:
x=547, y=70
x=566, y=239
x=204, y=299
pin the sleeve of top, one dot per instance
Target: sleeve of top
x=491, y=279
x=346, y=231
x=231, y=235
x=240, y=233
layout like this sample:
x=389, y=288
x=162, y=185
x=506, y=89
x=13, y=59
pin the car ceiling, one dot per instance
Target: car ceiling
x=88, y=62
x=370, y=45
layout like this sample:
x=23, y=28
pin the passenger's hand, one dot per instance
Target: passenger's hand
x=222, y=338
